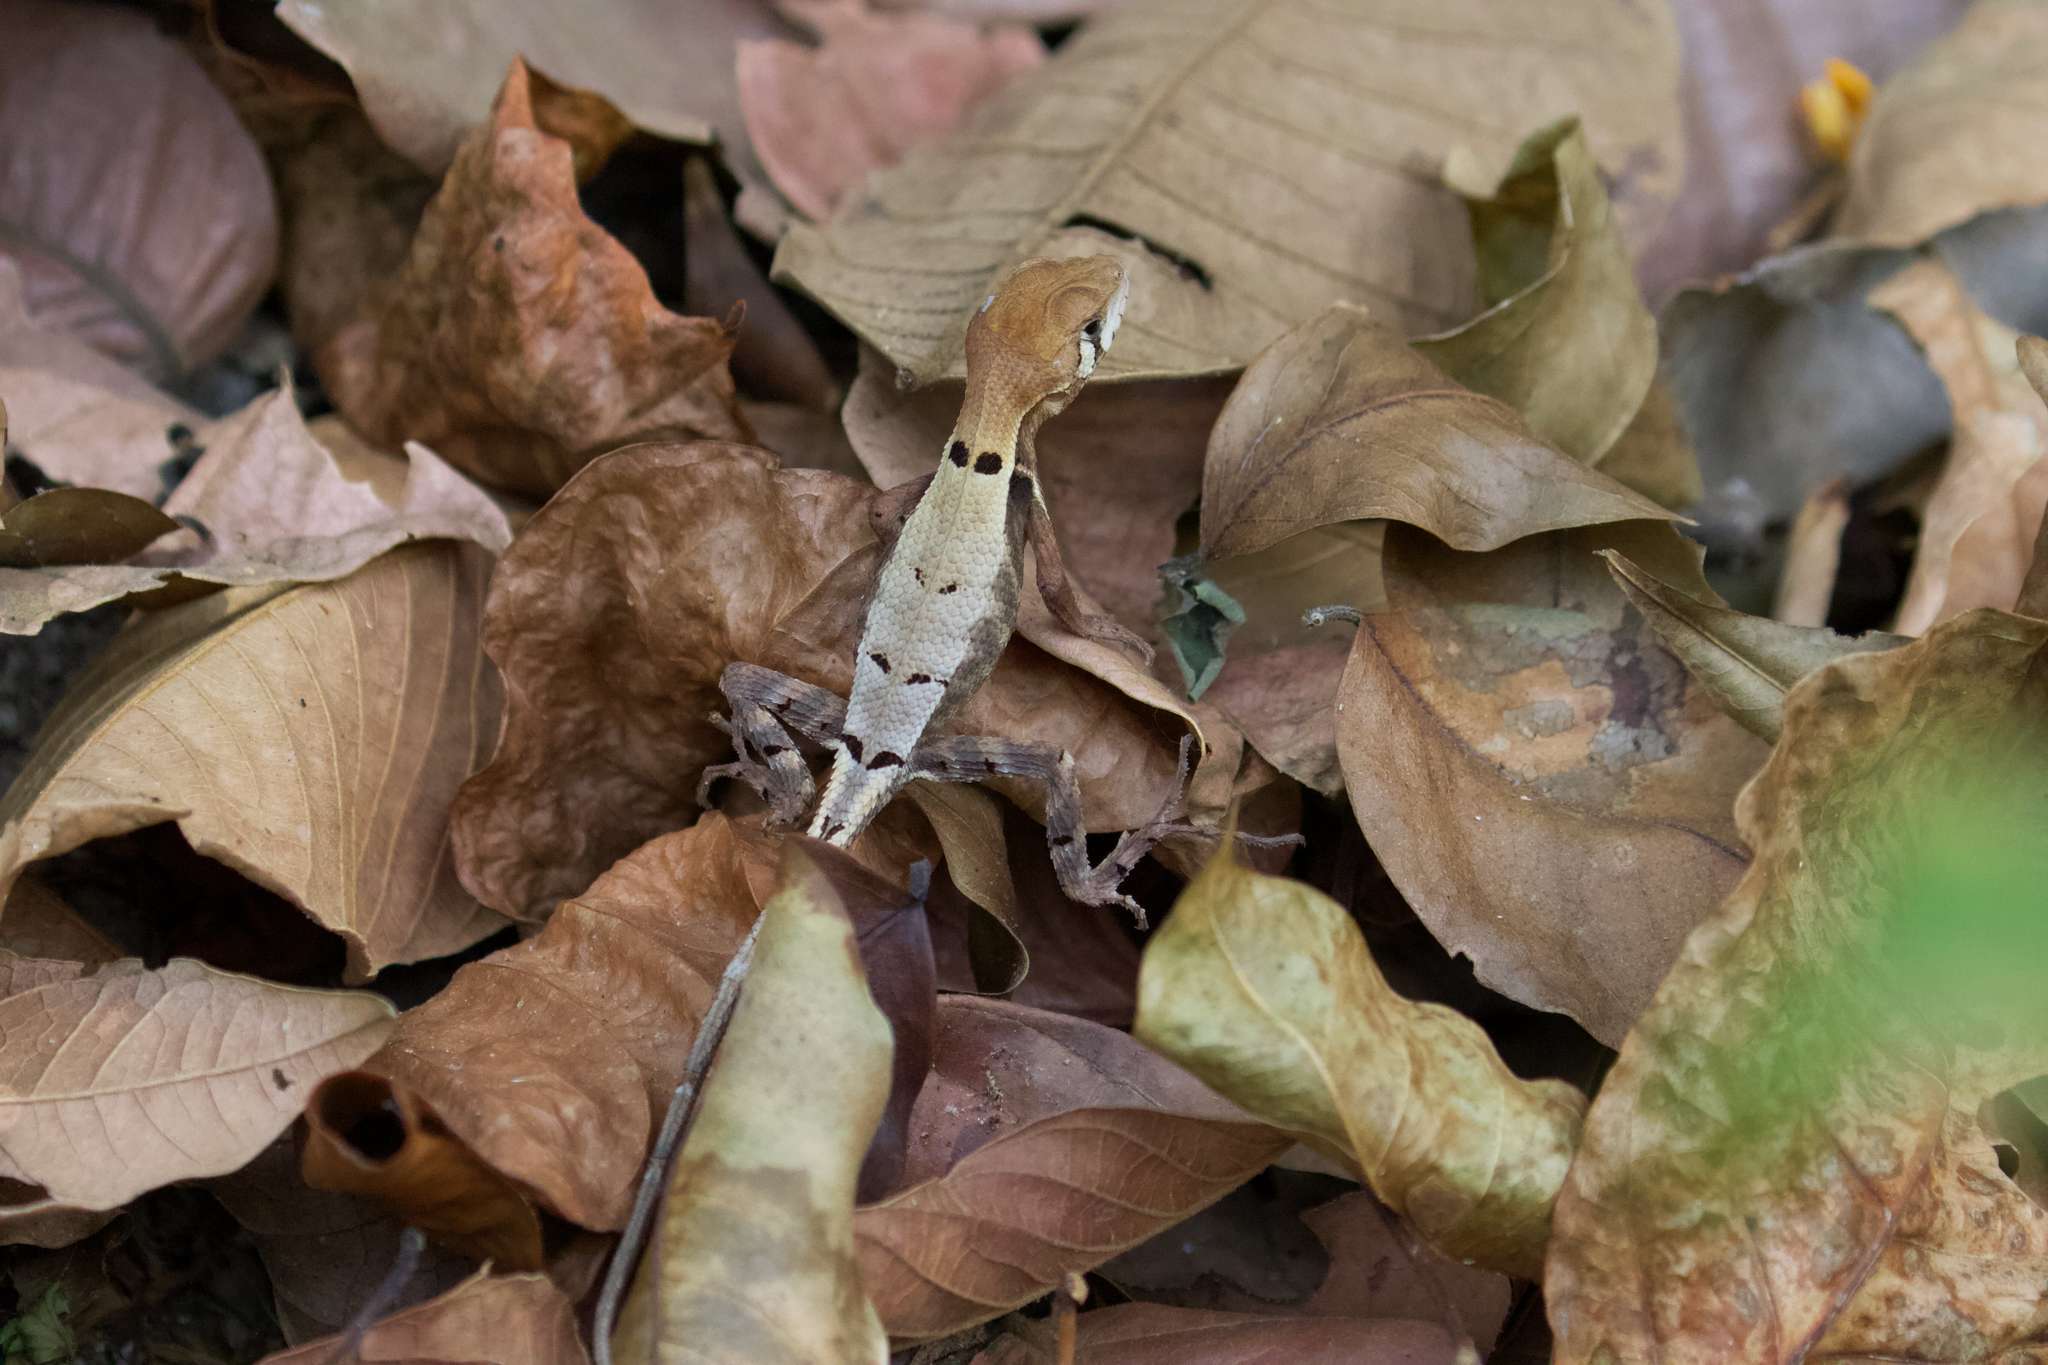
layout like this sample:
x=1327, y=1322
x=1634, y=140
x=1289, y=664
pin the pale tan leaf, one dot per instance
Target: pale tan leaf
x=135, y=204
x=1513, y=712
x=1956, y=133
x=18, y=973
x=1977, y=534
x=1339, y=420
x=1042, y=1145
x=1654, y=456
x=1249, y=161
x=1785, y=1113
x=37, y=923
x=1813, y=557
x=310, y=739
x=876, y=86
x=1264, y=988
x=1018, y=11
x=1747, y=662
x=753, y=1257
x=503, y=1319
x=128, y=1079
x=1571, y=347
x=426, y=76
x=520, y=339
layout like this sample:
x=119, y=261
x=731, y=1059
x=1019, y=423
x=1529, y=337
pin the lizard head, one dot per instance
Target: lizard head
x=1038, y=337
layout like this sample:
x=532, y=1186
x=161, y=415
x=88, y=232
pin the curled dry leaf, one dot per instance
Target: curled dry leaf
x=877, y=85
x=1977, y=533
x=569, y=1110
x=1339, y=420
x=1813, y=557
x=1654, y=455
x=364, y=1136
x=1747, y=662
x=1565, y=339
x=1264, y=988
x=621, y=602
x=1118, y=468
x=83, y=418
x=1791, y=1110
x=753, y=1256
x=309, y=739
x=426, y=77
x=1978, y=87
x=1514, y=713
x=505, y=1319
x=1041, y=1145
x=272, y=505
x=1153, y=1334
x=1343, y=140
x=37, y=923
x=112, y=126
x=476, y=349
x=115, y=1083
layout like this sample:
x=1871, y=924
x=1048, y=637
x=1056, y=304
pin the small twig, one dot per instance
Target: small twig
x=411, y=1243
x=1317, y=617
x=1066, y=1309
x=654, y=1176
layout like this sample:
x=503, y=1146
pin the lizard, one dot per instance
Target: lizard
x=946, y=598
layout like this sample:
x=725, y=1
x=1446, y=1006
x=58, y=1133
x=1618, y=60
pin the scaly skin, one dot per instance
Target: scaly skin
x=946, y=600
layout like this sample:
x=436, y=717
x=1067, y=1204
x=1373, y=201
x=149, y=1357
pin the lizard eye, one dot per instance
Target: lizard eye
x=1093, y=329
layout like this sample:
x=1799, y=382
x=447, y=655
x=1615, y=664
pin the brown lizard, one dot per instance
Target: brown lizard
x=945, y=602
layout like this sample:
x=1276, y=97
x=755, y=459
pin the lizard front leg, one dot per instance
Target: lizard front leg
x=766, y=707
x=972, y=758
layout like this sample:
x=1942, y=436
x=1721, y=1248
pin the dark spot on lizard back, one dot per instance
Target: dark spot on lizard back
x=771, y=750
x=950, y=587
x=917, y=678
x=888, y=758
x=881, y=659
x=852, y=746
x=918, y=574
x=988, y=462
x=1062, y=840
x=958, y=455
x=833, y=829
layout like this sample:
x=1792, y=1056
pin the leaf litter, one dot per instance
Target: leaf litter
x=1658, y=981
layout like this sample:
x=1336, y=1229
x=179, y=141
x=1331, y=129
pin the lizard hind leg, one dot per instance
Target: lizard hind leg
x=968, y=758
x=766, y=706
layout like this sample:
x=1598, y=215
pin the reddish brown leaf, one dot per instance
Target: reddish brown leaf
x=1517, y=714
x=877, y=85
x=1151, y=1334
x=475, y=349
x=621, y=602
x=366, y=1137
x=1779, y=1157
x=137, y=206
x=504, y=1319
x=1042, y=1144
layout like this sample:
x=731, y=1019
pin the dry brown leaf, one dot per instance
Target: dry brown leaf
x=554, y=1058
x=37, y=923
x=1153, y=1334
x=83, y=418
x=1955, y=134
x=1339, y=420
x=426, y=77
x=1514, y=712
x=1747, y=662
x=1977, y=534
x=621, y=602
x=325, y=1253
x=18, y=973
x=876, y=86
x=1248, y=161
x=118, y=1082
x=61, y=527
x=1654, y=456
x=1813, y=557
x=1749, y=161
x=520, y=340
x=774, y=356
x=1118, y=469
x=136, y=205
x=310, y=739
x=1041, y=1144
x=1773, y=1165
x=1565, y=339
x=753, y=1257
x=503, y=1319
